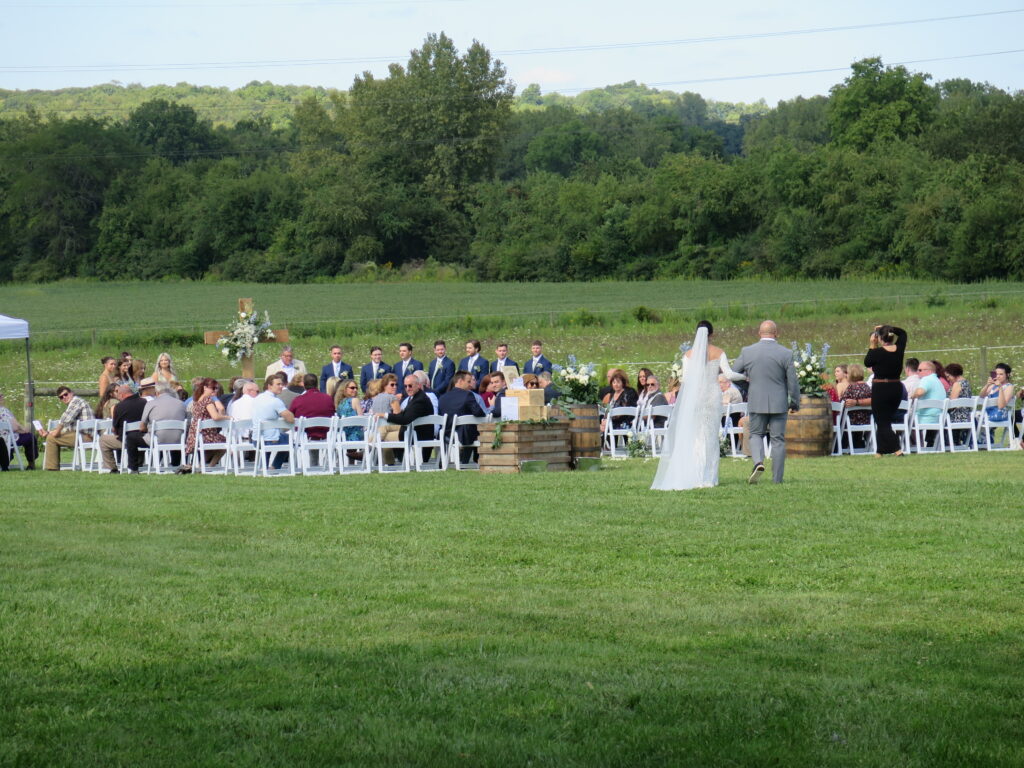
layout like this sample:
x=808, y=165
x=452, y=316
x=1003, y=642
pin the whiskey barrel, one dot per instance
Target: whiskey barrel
x=585, y=432
x=809, y=432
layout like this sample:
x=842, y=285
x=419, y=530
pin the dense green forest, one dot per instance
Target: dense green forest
x=442, y=170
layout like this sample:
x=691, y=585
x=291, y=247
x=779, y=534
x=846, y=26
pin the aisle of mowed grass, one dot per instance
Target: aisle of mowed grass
x=867, y=612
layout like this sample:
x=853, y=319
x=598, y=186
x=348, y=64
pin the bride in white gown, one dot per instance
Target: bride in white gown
x=691, y=451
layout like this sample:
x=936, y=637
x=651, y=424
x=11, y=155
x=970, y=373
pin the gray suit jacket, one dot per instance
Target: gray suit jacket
x=164, y=408
x=773, y=383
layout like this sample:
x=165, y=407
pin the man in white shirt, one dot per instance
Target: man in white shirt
x=268, y=406
x=241, y=409
x=287, y=364
x=913, y=380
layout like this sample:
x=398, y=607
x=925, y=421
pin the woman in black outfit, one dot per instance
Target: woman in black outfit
x=885, y=358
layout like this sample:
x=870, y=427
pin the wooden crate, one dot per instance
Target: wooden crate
x=521, y=442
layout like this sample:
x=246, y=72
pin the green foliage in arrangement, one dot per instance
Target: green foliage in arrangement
x=440, y=170
x=827, y=621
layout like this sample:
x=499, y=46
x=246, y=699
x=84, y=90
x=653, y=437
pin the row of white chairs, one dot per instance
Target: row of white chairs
x=245, y=451
x=961, y=424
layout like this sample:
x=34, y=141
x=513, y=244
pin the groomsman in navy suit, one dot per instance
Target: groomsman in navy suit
x=442, y=368
x=538, y=362
x=373, y=369
x=337, y=369
x=473, y=362
x=406, y=362
x=502, y=360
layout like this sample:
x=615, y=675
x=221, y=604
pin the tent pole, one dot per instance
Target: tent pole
x=30, y=389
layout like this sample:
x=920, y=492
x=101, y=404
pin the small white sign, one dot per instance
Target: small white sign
x=509, y=409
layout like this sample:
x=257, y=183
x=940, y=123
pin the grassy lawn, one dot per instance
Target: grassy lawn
x=865, y=613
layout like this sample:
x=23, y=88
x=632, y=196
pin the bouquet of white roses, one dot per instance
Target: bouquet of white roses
x=810, y=369
x=677, y=365
x=577, y=382
x=244, y=335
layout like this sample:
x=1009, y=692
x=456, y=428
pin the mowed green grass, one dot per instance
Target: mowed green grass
x=867, y=612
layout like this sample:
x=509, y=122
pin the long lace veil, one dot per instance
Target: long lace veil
x=677, y=467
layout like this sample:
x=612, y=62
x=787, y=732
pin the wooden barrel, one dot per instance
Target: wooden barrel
x=585, y=432
x=809, y=432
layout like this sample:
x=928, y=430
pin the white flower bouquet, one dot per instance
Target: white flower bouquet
x=810, y=369
x=244, y=335
x=577, y=382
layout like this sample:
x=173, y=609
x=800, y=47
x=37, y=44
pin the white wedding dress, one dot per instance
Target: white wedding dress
x=691, y=451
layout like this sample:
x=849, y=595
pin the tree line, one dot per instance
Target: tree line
x=439, y=168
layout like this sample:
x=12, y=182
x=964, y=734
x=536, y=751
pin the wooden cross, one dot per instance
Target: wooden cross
x=248, y=371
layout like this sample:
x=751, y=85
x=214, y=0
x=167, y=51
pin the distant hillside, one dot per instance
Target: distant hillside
x=225, y=107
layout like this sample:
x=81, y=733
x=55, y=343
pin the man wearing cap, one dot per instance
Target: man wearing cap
x=165, y=406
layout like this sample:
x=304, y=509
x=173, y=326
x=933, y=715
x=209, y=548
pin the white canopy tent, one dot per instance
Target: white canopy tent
x=14, y=328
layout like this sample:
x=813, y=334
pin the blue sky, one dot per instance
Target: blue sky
x=61, y=43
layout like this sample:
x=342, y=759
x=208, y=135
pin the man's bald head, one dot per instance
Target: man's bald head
x=123, y=392
x=767, y=330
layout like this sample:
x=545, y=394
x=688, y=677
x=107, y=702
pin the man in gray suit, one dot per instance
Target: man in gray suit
x=774, y=389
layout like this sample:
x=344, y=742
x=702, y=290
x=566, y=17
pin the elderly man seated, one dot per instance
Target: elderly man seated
x=165, y=406
x=63, y=435
x=129, y=409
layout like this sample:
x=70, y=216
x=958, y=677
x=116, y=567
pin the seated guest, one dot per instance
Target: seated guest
x=622, y=396
x=240, y=409
x=381, y=406
x=486, y=389
x=108, y=376
x=165, y=406
x=537, y=361
x=530, y=381
x=959, y=387
x=287, y=393
x=373, y=369
x=730, y=396
x=654, y=398
x=234, y=390
x=940, y=372
x=136, y=367
x=197, y=382
x=335, y=369
x=63, y=435
x=206, y=405
x=912, y=381
x=129, y=408
x=550, y=392
x=842, y=381
x=442, y=368
x=641, y=380
x=421, y=376
x=673, y=391
x=372, y=390
x=473, y=362
x=605, y=392
x=313, y=403
x=858, y=393
x=286, y=364
x=348, y=404
x=503, y=361
x=929, y=388
x=417, y=404
x=269, y=407
x=406, y=362
x=459, y=401
x=23, y=437
x=125, y=375
x=108, y=401
x=998, y=393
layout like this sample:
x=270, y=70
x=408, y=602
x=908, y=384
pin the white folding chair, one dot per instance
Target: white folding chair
x=654, y=433
x=160, y=453
x=85, y=455
x=306, y=446
x=202, y=447
x=989, y=427
x=455, y=446
x=922, y=428
x=266, y=452
x=418, y=444
x=122, y=464
x=398, y=444
x=8, y=435
x=241, y=443
x=868, y=430
x=733, y=431
x=343, y=444
x=837, y=430
x=964, y=421
x=616, y=439
x=902, y=427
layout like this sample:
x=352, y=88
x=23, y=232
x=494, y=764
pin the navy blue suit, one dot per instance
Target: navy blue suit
x=444, y=377
x=461, y=402
x=344, y=372
x=366, y=373
x=412, y=365
x=508, y=362
x=480, y=369
x=543, y=365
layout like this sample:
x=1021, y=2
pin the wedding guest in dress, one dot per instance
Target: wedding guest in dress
x=858, y=393
x=349, y=404
x=24, y=437
x=622, y=396
x=886, y=347
x=940, y=371
x=108, y=375
x=605, y=392
x=673, y=391
x=641, y=380
x=959, y=387
x=486, y=391
x=205, y=405
x=125, y=375
x=998, y=394
x=108, y=402
x=165, y=371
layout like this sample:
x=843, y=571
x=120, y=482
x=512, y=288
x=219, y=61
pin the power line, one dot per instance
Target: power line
x=304, y=3
x=43, y=68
